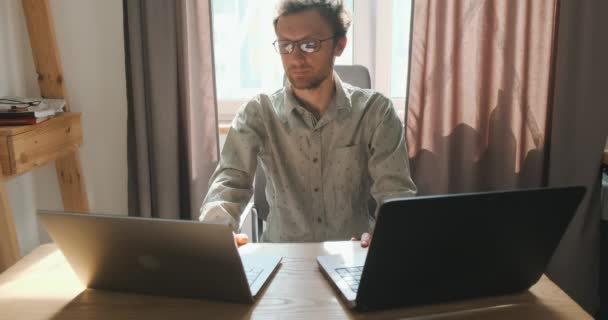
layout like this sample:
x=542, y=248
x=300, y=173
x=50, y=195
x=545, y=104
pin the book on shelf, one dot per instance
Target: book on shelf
x=21, y=121
x=29, y=108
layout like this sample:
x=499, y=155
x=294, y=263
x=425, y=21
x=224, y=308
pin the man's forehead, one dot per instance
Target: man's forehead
x=302, y=25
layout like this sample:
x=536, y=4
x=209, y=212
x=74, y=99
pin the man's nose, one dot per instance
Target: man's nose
x=296, y=58
x=297, y=53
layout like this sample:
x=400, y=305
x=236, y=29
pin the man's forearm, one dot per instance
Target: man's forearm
x=228, y=195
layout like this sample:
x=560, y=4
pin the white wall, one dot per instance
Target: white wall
x=90, y=39
x=91, y=44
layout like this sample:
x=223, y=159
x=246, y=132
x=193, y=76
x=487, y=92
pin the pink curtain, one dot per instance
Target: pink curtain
x=512, y=94
x=479, y=94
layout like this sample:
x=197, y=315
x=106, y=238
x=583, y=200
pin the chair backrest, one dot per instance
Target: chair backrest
x=355, y=75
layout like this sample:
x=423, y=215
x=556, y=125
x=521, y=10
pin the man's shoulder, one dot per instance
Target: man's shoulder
x=262, y=104
x=276, y=98
x=363, y=99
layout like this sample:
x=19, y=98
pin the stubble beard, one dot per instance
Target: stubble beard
x=313, y=83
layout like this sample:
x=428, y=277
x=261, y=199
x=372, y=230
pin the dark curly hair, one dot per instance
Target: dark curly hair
x=333, y=10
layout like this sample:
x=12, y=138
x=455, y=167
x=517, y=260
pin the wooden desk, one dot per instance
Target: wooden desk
x=42, y=286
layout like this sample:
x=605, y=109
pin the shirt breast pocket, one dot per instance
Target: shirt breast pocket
x=348, y=169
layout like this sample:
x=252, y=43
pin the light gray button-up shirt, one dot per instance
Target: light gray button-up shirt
x=320, y=173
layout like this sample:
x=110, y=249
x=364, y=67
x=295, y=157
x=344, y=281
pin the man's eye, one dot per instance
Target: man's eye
x=288, y=47
x=308, y=46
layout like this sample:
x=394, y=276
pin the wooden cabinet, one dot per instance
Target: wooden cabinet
x=25, y=148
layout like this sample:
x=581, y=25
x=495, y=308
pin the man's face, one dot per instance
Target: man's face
x=308, y=70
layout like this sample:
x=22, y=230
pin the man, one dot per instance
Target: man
x=325, y=146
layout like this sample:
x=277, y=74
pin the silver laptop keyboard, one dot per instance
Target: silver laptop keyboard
x=351, y=276
x=252, y=273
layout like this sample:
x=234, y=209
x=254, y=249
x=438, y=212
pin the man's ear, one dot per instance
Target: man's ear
x=340, y=45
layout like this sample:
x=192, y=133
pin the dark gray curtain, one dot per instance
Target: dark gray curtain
x=172, y=116
x=578, y=134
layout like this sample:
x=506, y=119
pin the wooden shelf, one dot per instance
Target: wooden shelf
x=23, y=148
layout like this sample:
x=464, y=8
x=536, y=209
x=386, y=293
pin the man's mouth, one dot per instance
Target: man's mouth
x=299, y=72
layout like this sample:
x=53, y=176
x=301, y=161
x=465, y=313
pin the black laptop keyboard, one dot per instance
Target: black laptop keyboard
x=252, y=274
x=351, y=276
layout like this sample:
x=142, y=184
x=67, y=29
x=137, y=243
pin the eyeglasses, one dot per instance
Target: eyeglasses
x=306, y=46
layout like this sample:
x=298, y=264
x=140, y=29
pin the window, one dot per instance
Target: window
x=246, y=63
x=400, y=45
x=389, y=67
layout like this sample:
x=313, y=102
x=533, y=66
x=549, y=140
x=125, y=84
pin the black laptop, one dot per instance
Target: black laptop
x=443, y=248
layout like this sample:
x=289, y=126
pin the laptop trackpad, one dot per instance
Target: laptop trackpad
x=344, y=272
x=258, y=268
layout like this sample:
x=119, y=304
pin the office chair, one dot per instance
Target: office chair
x=355, y=75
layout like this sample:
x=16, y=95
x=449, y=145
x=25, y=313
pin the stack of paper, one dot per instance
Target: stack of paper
x=16, y=111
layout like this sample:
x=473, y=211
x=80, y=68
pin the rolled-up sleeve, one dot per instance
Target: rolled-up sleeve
x=230, y=186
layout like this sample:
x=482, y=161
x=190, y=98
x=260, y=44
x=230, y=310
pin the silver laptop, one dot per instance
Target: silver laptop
x=175, y=258
x=442, y=248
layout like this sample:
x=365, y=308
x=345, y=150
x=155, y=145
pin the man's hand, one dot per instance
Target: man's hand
x=366, y=239
x=241, y=239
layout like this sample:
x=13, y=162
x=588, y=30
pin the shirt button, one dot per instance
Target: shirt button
x=315, y=160
x=316, y=189
x=319, y=220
